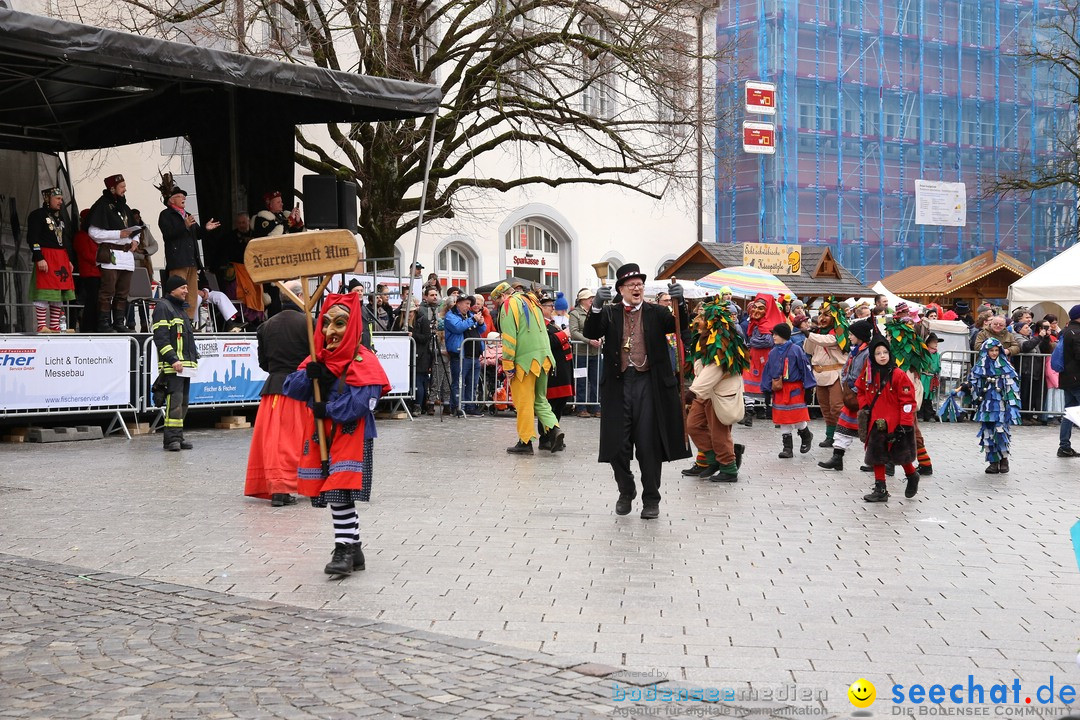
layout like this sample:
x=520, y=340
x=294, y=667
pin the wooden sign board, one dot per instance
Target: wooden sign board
x=305, y=254
x=775, y=258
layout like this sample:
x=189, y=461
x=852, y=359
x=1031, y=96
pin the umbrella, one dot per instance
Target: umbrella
x=745, y=281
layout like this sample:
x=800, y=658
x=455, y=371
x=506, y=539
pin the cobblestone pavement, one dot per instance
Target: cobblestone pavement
x=783, y=579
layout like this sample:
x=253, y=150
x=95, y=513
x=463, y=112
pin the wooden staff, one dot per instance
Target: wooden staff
x=680, y=358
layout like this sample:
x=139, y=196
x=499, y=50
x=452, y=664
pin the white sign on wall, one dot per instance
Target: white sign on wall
x=940, y=203
x=56, y=373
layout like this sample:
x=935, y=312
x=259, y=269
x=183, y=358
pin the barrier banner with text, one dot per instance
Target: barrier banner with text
x=228, y=372
x=396, y=355
x=57, y=373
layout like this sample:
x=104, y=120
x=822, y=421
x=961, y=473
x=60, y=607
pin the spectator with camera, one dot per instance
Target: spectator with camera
x=461, y=322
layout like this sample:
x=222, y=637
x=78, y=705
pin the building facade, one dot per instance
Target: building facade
x=874, y=94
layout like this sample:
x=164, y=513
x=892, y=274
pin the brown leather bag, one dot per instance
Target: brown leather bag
x=851, y=399
x=777, y=385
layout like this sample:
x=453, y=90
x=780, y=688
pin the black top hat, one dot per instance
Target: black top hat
x=961, y=307
x=629, y=271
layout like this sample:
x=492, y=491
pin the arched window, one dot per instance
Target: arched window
x=455, y=267
x=533, y=254
x=662, y=267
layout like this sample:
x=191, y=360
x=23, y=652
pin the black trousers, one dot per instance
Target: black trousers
x=176, y=402
x=639, y=434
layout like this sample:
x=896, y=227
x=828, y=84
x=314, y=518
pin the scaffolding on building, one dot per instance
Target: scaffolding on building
x=874, y=94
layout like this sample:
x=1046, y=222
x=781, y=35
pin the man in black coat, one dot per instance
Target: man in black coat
x=639, y=397
x=180, y=232
x=423, y=335
x=1069, y=379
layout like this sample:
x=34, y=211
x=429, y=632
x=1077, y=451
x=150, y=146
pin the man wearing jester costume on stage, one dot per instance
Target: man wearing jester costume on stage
x=52, y=282
x=719, y=356
x=351, y=381
x=995, y=391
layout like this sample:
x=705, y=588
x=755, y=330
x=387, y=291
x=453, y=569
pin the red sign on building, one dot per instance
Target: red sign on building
x=759, y=138
x=760, y=97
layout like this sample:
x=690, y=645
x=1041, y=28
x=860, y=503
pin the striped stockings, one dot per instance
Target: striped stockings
x=346, y=523
x=47, y=315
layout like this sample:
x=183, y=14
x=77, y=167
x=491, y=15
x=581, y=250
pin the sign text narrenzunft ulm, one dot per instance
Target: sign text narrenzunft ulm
x=306, y=254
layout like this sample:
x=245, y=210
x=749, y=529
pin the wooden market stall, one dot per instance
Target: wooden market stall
x=983, y=277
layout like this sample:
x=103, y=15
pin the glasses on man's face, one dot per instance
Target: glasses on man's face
x=633, y=285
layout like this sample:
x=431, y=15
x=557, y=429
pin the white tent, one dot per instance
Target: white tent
x=894, y=300
x=1056, y=281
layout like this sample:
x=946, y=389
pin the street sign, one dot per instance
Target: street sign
x=760, y=97
x=759, y=138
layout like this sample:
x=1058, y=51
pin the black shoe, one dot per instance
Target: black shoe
x=185, y=445
x=890, y=470
x=1003, y=466
x=622, y=505
x=1067, y=452
x=119, y=328
x=912, y=484
x=992, y=469
x=650, y=512
x=748, y=419
x=739, y=450
x=836, y=462
x=694, y=470
x=926, y=470
x=805, y=438
x=878, y=494
x=558, y=440
x=866, y=468
x=521, y=448
x=358, y=557
x=281, y=500
x=827, y=442
x=545, y=442
x=341, y=562
x=726, y=474
x=788, y=444
x=174, y=446
x=761, y=412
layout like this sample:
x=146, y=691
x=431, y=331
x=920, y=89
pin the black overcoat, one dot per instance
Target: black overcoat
x=656, y=323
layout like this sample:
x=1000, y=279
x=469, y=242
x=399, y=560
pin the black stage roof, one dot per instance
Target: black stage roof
x=65, y=86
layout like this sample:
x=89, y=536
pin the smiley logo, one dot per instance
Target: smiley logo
x=862, y=693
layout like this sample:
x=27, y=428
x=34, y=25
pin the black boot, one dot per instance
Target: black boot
x=521, y=448
x=739, y=450
x=805, y=438
x=926, y=469
x=545, y=440
x=786, y=452
x=358, y=557
x=748, y=418
x=557, y=439
x=104, y=322
x=694, y=470
x=341, y=562
x=878, y=494
x=1003, y=465
x=993, y=469
x=836, y=462
x=912, y=484
x=119, y=317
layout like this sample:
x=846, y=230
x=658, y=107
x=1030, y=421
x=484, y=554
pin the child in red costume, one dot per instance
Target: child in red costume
x=887, y=391
x=351, y=380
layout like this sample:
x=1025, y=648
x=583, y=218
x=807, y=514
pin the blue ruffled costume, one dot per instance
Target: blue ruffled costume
x=995, y=390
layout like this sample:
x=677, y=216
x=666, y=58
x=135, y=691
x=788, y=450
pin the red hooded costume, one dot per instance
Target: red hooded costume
x=759, y=349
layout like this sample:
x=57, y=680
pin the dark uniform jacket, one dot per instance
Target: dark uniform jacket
x=656, y=323
x=283, y=345
x=1069, y=379
x=181, y=241
x=174, y=337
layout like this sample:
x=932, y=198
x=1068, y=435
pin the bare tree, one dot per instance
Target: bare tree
x=1055, y=51
x=544, y=92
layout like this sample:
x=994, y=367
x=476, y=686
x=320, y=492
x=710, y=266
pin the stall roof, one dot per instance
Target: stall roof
x=943, y=280
x=820, y=274
x=65, y=86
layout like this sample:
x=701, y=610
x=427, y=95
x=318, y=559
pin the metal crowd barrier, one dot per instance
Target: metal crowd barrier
x=1036, y=397
x=488, y=377
x=134, y=383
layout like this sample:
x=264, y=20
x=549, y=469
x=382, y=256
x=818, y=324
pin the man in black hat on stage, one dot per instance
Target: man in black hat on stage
x=639, y=397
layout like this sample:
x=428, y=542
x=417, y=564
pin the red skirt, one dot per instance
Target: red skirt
x=275, y=446
x=789, y=405
x=752, y=375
